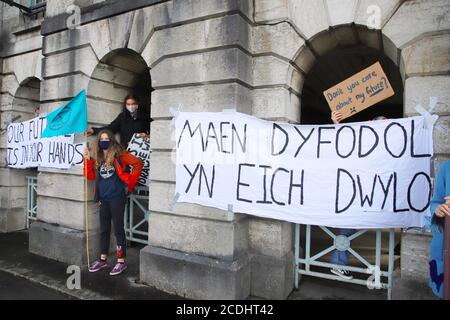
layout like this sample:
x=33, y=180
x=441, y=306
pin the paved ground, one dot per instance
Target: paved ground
x=311, y=288
x=27, y=276
x=18, y=262
x=15, y=288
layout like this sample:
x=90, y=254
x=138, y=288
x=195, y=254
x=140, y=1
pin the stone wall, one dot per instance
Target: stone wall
x=20, y=75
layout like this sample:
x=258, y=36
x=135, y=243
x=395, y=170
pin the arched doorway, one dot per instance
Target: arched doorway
x=338, y=54
x=27, y=99
x=336, y=66
x=25, y=106
x=119, y=73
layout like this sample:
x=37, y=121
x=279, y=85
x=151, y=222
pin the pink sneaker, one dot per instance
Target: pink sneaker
x=97, y=266
x=118, y=269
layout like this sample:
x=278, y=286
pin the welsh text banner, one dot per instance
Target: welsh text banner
x=362, y=175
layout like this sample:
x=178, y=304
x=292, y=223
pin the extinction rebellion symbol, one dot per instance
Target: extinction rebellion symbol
x=61, y=119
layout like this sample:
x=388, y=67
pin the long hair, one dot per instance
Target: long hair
x=109, y=155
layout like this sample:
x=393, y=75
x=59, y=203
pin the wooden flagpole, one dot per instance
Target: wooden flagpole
x=447, y=259
x=86, y=207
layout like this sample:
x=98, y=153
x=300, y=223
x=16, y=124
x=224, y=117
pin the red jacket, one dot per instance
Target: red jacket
x=127, y=159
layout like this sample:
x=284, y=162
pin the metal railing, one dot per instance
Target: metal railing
x=35, y=7
x=31, y=200
x=136, y=212
x=376, y=279
x=137, y=215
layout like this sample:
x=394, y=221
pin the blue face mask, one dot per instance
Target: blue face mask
x=104, y=144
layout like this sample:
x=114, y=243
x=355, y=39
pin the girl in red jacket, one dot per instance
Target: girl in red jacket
x=108, y=165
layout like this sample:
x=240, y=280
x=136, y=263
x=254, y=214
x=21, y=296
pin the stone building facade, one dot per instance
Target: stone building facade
x=207, y=55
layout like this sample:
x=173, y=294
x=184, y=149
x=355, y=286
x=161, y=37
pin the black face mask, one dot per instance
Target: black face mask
x=104, y=144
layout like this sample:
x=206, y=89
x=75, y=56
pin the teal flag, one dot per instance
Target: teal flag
x=70, y=118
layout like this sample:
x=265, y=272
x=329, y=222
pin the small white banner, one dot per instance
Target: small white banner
x=362, y=175
x=26, y=149
x=141, y=148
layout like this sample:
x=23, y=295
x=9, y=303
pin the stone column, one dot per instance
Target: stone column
x=20, y=62
x=195, y=252
x=59, y=233
x=19, y=98
x=12, y=208
x=411, y=281
x=271, y=241
x=271, y=246
x=425, y=64
x=276, y=97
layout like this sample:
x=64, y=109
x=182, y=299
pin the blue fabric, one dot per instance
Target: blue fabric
x=110, y=186
x=104, y=144
x=441, y=190
x=70, y=118
x=341, y=257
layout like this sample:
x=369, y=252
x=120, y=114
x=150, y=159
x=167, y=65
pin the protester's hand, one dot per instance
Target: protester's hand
x=447, y=200
x=144, y=136
x=336, y=116
x=87, y=155
x=443, y=210
x=90, y=131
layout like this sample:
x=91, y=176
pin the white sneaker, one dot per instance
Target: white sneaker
x=344, y=274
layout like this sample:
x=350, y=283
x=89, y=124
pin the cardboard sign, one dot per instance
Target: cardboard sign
x=360, y=91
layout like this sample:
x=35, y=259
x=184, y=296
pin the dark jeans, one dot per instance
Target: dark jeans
x=113, y=210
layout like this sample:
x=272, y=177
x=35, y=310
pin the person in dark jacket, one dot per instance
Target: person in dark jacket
x=108, y=165
x=133, y=119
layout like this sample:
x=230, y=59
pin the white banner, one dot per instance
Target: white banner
x=141, y=148
x=27, y=150
x=372, y=174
